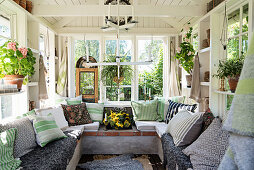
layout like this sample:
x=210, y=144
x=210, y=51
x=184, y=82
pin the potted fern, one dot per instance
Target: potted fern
x=16, y=63
x=230, y=69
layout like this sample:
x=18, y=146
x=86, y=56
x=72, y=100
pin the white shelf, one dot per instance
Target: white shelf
x=8, y=94
x=205, y=83
x=30, y=84
x=205, y=50
x=224, y=92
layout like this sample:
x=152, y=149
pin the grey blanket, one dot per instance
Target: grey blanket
x=123, y=162
x=54, y=155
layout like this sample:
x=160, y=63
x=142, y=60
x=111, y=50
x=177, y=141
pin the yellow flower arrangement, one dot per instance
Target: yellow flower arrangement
x=119, y=120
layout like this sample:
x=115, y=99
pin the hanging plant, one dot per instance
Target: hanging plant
x=185, y=53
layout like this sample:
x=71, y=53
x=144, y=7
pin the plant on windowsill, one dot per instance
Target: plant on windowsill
x=117, y=120
x=16, y=63
x=185, y=54
x=109, y=73
x=230, y=69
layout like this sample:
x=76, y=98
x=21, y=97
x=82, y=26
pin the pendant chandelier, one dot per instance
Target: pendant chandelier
x=224, y=33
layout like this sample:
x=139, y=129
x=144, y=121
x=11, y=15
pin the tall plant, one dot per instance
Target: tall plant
x=185, y=53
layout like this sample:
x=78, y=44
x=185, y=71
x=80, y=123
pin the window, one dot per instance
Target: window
x=5, y=29
x=238, y=37
x=150, y=76
x=112, y=93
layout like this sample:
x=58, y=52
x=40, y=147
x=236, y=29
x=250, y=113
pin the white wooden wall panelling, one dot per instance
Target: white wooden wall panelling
x=71, y=68
x=99, y=10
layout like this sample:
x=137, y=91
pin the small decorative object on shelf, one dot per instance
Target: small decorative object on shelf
x=207, y=76
x=22, y=3
x=189, y=80
x=118, y=120
x=222, y=85
x=32, y=105
x=17, y=63
x=17, y=1
x=29, y=6
x=205, y=43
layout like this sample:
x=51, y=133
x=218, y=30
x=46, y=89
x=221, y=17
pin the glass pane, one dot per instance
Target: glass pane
x=150, y=76
x=234, y=23
x=229, y=101
x=125, y=48
x=233, y=48
x=93, y=49
x=195, y=42
x=125, y=94
x=6, y=106
x=87, y=83
x=244, y=44
x=111, y=93
x=2, y=41
x=5, y=27
x=245, y=18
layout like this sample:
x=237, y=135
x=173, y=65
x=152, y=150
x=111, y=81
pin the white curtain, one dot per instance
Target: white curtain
x=43, y=94
x=62, y=77
x=174, y=85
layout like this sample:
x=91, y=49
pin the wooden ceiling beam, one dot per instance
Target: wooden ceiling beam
x=125, y=10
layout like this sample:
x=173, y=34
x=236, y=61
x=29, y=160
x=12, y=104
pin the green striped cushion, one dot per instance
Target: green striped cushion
x=145, y=110
x=96, y=111
x=73, y=102
x=32, y=112
x=46, y=129
x=185, y=127
x=7, y=160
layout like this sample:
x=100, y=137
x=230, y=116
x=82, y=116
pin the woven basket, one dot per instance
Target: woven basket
x=22, y=3
x=29, y=6
x=17, y=1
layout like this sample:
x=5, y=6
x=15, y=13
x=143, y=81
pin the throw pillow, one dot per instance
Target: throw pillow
x=163, y=105
x=207, y=119
x=60, y=100
x=7, y=160
x=25, y=139
x=76, y=114
x=32, y=112
x=174, y=107
x=46, y=129
x=57, y=113
x=95, y=111
x=185, y=127
x=73, y=101
x=145, y=110
x=208, y=150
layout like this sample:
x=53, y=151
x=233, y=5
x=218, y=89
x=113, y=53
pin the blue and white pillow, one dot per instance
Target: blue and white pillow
x=174, y=107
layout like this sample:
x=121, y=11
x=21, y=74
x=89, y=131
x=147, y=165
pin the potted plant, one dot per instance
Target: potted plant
x=16, y=63
x=109, y=73
x=185, y=54
x=230, y=69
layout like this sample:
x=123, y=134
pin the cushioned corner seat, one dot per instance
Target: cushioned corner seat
x=92, y=126
x=55, y=155
x=147, y=125
x=161, y=128
x=173, y=156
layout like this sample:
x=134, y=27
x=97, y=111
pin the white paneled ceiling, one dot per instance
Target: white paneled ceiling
x=62, y=15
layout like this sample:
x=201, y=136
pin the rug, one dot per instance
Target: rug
x=122, y=162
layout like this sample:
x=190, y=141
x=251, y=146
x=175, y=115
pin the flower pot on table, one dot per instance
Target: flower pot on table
x=14, y=79
x=233, y=81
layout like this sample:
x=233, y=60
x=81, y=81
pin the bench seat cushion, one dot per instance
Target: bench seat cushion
x=147, y=125
x=54, y=155
x=161, y=128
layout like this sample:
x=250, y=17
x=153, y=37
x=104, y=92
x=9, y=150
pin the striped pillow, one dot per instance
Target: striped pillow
x=96, y=111
x=145, y=110
x=7, y=160
x=46, y=129
x=174, y=108
x=185, y=127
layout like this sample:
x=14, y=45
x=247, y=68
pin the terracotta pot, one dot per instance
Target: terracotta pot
x=17, y=1
x=22, y=3
x=14, y=79
x=189, y=80
x=29, y=6
x=118, y=81
x=232, y=81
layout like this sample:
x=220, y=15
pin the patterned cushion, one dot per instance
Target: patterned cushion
x=185, y=127
x=25, y=139
x=46, y=129
x=76, y=114
x=207, y=119
x=145, y=110
x=96, y=111
x=7, y=160
x=174, y=108
x=208, y=150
